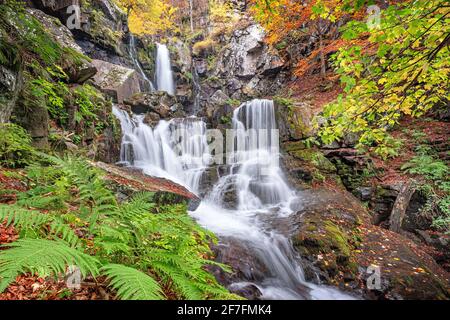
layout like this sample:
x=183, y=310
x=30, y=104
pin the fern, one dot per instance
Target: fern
x=45, y=257
x=36, y=221
x=132, y=284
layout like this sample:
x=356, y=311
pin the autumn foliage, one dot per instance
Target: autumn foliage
x=148, y=16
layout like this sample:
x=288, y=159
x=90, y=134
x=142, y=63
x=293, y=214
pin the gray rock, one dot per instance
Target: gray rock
x=10, y=86
x=78, y=73
x=157, y=105
x=364, y=193
x=118, y=82
x=219, y=98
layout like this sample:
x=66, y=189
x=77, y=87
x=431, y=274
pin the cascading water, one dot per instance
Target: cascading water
x=176, y=149
x=262, y=195
x=137, y=64
x=164, y=75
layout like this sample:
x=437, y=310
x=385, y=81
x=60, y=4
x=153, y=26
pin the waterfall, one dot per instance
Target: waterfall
x=164, y=75
x=175, y=149
x=137, y=64
x=262, y=196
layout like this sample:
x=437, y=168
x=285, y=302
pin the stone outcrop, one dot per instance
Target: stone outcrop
x=78, y=72
x=157, y=105
x=116, y=81
x=132, y=180
x=10, y=86
x=239, y=67
x=334, y=235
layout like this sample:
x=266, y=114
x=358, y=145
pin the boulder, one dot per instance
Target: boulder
x=333, y=232
x=294, y=119
x=160, y=103
x=116, y=81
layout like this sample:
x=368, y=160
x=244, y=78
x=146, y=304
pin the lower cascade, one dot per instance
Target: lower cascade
x=262, y=196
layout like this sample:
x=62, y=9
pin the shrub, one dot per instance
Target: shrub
x=203, y=47
x=15, y=146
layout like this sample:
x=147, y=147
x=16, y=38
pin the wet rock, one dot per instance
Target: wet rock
x=364, y=193
x=152, y=118
x=201, y=67
x=239, y=256
x=247, y=290
x=333, y=232
x=116, y=81
x=160, y=103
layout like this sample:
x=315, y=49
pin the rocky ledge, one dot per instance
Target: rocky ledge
x=336, y=240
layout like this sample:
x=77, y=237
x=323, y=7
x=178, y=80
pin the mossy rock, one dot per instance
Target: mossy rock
x=314, y=158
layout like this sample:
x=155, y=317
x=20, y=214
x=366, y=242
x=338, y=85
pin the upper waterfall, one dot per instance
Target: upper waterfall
x=164, y=75
x=137, y=64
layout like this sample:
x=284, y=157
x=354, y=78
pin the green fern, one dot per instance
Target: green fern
x=25, y=219
x=132, y=284
x=43, y=257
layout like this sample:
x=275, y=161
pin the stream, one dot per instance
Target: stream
x=178, y=150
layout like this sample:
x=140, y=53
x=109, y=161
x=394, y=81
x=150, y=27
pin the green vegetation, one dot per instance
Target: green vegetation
x=401, y=69
x=139, y=246
x=15, y=146
x=435, y=184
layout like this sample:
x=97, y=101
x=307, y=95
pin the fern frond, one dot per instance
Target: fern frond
x=22, y=218
x=132, y=284
x=45, y=257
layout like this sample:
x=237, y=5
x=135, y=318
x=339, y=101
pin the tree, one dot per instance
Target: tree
x=148, y=16
x=288, y=20
x=399, y=69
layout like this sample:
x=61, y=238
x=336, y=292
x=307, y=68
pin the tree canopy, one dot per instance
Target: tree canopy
x=148, y=16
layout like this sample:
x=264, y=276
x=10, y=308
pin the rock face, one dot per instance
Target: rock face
x=116, y=81
x=242, y=67
x=10, y=86
x=77, y=72
x=335, y=237
x=294, y=120
x=156, y=106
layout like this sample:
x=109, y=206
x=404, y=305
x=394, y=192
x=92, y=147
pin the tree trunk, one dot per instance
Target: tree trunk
x=400, y=205
x=323, y=64
x=191, y=14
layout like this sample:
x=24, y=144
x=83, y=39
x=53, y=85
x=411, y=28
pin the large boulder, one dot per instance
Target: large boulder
x=116, y=81
x=334, y=235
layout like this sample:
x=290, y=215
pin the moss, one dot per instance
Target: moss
x=337, y=238
x=315, y=158
x=102, y=34
x=294, y=146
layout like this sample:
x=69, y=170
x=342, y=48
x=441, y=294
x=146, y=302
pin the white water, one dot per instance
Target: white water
x=137, y=64
x=176, y=149
x=164, y=75
x=262, y=195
